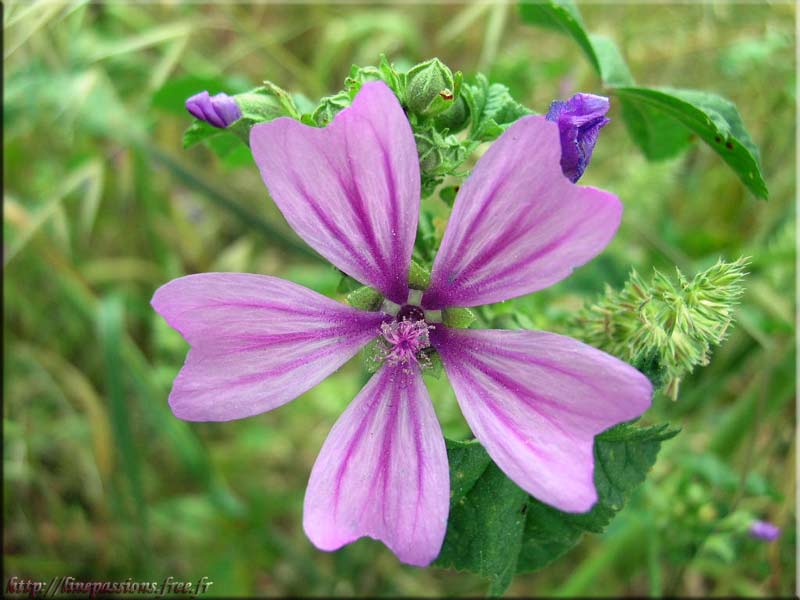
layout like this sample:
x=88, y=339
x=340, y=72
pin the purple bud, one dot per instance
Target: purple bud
x=220, y=110
x=579, y=121
x=764, y=530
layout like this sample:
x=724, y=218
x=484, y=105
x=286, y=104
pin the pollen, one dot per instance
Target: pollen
x=404, y=341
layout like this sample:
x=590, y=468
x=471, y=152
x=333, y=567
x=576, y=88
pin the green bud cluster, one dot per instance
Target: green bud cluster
x=438, y=104
x=440, y=155
x=662, y=327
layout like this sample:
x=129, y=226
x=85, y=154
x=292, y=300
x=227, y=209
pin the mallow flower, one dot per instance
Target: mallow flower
x=579, y=121
x=220, y=110
x=535, y=400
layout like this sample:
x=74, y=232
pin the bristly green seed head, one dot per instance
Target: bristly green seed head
x=665, y=327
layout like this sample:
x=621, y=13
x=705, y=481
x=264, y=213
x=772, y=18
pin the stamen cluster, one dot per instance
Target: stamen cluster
x=403, y=342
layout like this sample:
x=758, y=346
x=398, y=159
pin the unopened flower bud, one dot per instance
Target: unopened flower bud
x=431, y=88
x=220, y=110
x=579, y=121
x=430, y=155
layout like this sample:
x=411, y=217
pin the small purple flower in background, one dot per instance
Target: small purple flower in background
x=579, y=121
x=535, y=400
x=220, y=110
x=764, y=530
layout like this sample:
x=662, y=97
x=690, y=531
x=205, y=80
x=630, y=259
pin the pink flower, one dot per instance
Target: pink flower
x=535, y=400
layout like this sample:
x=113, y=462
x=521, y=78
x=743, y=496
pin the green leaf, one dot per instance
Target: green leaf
x=439, y=154
x=486, y=524
x=714, y=104
x=661, y=121
x=328, y=108
x=658, y=135
x=231, y=151
x=712, y=118
x=491, y=108
x=496, y=529
x=562, y=16
x=197, y=132
x=448, y=194
x=613, y=68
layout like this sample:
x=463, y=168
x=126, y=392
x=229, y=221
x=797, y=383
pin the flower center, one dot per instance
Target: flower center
x=404, y=339
x=410, y=312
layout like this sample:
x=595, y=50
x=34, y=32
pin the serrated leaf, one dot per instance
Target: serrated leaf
x=496, y=529
x=486, y=524
x=328, y=108
x=712, y=118
x=392, y=78
x=491, y=108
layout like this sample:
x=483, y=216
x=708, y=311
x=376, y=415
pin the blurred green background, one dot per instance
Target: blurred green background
x=102, y=206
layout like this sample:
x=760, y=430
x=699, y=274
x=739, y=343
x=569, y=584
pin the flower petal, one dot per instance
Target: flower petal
x=382, y=472
x=225, y=108
x=536, y=400
x=257, y=342
x=351, y=190
x=518, y=225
